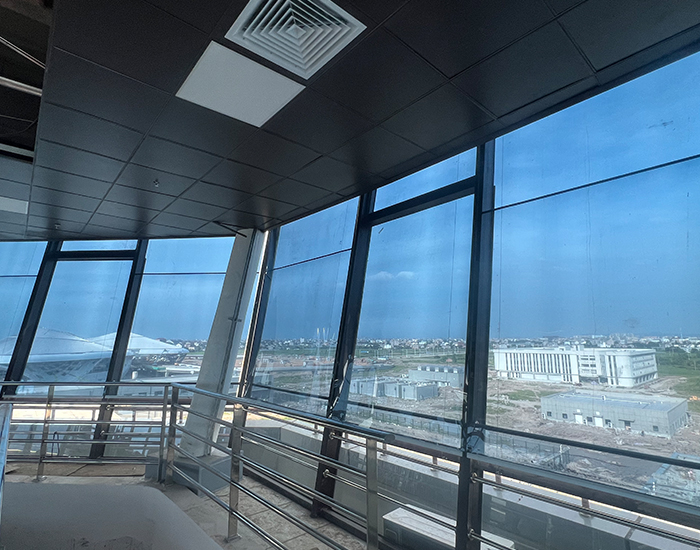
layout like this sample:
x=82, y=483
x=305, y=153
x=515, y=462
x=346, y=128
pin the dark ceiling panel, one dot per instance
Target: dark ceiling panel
x=153, y=230
x=14, y=190
x=331, y=174
x=378, y=10
x=171, y=157
x=70, y=183
x=153, y=180
x=294, y=192
x=15, y=170
x=408, y=166
x=192, y=125
x=193, y=209
x=442, y=115
x=273, y=153
x=138, y=197
x=533, y=67
x=560, y=6
x=317, y=122
x=182, y=222
x=75, y=161
x=203, y=14
x=455, y=34
x=13, y=217
x=241, y=177
x=87, y=132
x=112, y=222
x=610, y=31
x=377, y=151
x=215, y=194
x=92, y=89
x=269, y=208
x=378, y=77
x=51, y=224
x=28, y=34
x=57, y=212
x=130, y=211
x=244, y=219
x=19, y=105
x=132, y=38
x=60, y=199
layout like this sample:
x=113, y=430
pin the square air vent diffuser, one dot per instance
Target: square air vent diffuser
x=299, y=35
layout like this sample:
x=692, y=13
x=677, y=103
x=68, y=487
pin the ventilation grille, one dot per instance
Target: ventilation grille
x=299, y=35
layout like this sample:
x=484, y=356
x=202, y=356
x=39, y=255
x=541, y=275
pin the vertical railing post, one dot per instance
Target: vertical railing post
x=172, y=432
x=236, y=445
x=372, y=488
x=44, y=435
x=163, y=447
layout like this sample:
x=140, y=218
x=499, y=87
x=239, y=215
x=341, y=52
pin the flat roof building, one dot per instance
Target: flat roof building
x=611, y=367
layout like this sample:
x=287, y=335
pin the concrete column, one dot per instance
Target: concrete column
x=224, y=339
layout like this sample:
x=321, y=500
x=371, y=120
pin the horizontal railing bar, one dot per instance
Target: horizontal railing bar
x=589, y=511
x=283, y=454
x=290, y=392
x=204, y=440
x=86, y=442
x=292, y=519
x=303, y=452
x=204, y=416
x=600, y=448
x=473, y=535
x=258, y=530
x=421, y=415
x=277, y=418
x=142, y=423
x=88, y=384
x=79, y=460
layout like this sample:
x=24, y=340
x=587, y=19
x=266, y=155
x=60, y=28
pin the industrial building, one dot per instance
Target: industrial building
x=648, y=414
x=624, y=368
x=232, y=172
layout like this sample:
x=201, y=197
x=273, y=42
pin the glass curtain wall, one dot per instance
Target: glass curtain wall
x=595, y=332
x=294, y=365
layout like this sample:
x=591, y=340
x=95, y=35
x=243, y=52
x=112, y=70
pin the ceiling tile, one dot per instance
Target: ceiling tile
x=138, y=197
x=15, y=170
x=241, y=177
x=317, y=122
x=130, y=211
x=192, y=125
x=215, y=194
x=75, y=161
x=153, y=230
x=125, y=224
x=273, y=154
x=181, y=222
x=92, y=89
x=13, y=217
x=469, y=140
x=62, y=181
x=533, y=67
x=87, y=132
x=294, y=192
x=102, y=232
x=330, y=174
x=409, y=166
x=244, y=219
x=379, y=10
x=326, y=202
x=203, y=14
x=171, y=157
x=50, y=224
x=455, y=34
x=378, y=77
x=14, y=190
x=610, y=31
x=61, y=199
x=153, y=180
x=377, y=151
x=58, y=212
x=268, y=208
x=560, y=6
x=439, y=117
x=193, y=209
x=132, y=38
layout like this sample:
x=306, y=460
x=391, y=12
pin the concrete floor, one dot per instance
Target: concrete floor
x=210, y=517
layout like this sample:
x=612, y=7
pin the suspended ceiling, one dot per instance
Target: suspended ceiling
x=118, y=155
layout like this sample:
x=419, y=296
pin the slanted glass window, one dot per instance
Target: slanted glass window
x=408, y=373
x=98, y=245
x=82, y=308
x=19, y=265
x=294, y=366
x=434, y=177
x=179, y=295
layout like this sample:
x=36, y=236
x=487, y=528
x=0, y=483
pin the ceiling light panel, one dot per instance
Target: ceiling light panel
x=231, y=84
x=13, y=205
x=299, y=35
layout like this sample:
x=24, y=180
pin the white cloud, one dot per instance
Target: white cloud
x=406, y=275
x=381, y=276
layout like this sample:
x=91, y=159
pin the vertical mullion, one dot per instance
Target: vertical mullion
x=469, y=501
x=345, y=349
x=121, y=345
x=257, y=323
x=32, y=315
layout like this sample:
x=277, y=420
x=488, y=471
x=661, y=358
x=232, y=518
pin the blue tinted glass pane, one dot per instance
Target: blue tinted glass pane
x=171, y=325
x=439, y=175
x=14, y=297
x=98, y=245
x=21, y=258
x=204, y=255
x=325, y=232
x=82, y=308
x=643, y=123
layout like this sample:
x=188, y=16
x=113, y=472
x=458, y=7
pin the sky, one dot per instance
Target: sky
x=621, y=256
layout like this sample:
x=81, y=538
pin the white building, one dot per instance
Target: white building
x=612, y=367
